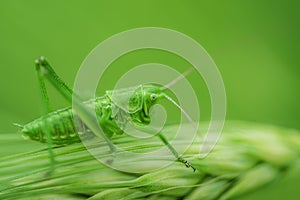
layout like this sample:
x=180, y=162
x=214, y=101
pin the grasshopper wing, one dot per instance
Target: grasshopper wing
x=130, y=100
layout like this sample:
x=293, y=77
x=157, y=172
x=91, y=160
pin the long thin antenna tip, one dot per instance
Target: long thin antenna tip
x=18, y=125
x=188, y=71
x=184, y=74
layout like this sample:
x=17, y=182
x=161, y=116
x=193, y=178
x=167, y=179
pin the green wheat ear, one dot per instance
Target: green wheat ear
x=247, y=156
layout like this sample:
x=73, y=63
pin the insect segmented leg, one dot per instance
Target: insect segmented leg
x=46, y=109
x=172, y=149
x=46, y=71
x=86, y=114
x=187, y=163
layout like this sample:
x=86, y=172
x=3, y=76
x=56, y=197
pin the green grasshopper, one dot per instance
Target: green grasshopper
x=58, y=127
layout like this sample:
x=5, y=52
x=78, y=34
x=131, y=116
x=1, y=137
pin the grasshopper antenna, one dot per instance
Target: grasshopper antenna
x=18, y=125
x=173, y=82
x=182, y=110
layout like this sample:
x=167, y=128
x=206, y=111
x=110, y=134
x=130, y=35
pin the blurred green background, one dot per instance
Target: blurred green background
x=255, y=45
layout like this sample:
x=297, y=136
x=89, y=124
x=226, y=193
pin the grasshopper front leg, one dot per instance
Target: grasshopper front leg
x=166, y=142
x=174, y=152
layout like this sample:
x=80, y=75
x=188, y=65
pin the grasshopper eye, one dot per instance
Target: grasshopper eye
x=153, y=97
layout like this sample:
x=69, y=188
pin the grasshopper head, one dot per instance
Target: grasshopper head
x=137, y=101
x=149, y=95
x=145, y=96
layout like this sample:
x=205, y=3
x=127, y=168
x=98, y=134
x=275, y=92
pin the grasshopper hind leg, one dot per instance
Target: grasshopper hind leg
x=87, y=115
x=51, y=155
x=46, y=109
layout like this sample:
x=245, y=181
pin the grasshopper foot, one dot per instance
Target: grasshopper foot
x=186, y=163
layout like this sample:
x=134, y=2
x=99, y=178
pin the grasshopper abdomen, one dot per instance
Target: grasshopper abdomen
x=59, y=124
